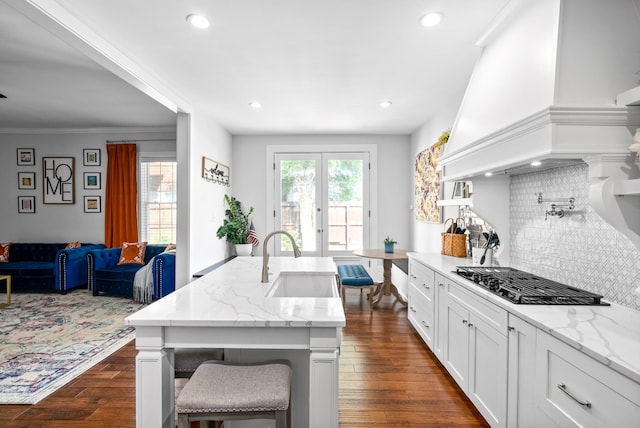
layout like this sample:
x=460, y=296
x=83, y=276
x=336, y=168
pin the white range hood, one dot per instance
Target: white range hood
x=545, y=89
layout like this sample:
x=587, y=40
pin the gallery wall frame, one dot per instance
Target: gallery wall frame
x=26, y=180
x=26, y=157
x=91, y=157
x=26, y=204
x=58, y=186
x=92, y=204
x=92, y=181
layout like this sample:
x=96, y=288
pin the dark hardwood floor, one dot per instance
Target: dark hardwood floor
x=388, y=377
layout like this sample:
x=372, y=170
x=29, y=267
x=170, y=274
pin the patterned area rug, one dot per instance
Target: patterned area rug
x=46, y=340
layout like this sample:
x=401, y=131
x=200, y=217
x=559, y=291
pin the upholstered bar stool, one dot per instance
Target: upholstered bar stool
x=221, y=391
x=187, y=360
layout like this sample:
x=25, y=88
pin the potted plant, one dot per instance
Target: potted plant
x=388, y=244
x=235, y=228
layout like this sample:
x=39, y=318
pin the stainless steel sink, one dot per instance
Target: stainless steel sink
x=304, y=284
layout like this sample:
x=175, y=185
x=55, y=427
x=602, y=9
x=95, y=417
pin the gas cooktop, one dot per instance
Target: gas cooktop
x=525, y=288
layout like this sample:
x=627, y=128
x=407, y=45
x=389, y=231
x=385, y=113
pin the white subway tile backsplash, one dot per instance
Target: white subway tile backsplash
x=579, y=249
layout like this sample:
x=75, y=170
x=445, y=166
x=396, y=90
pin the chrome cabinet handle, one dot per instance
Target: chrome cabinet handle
x=413, y=276
x=441, y=284
x=464, y=321
x=563, y=388
x=412, y=309
x=424, y=323
x=510, y=328
x=426, y=286
x=470, y=325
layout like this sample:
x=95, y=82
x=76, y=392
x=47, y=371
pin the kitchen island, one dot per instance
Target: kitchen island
x=230, y=308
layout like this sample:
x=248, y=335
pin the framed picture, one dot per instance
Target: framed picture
x=467, y=190
x=215, y=172
x=58, y=180
x=91, y=157
x=92, y=204
x=26, y=180
x=92, y=180
x=26, y=157
x=458, y=190
x=26, y=204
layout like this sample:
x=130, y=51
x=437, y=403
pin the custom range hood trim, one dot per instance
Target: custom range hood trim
x=570, y=133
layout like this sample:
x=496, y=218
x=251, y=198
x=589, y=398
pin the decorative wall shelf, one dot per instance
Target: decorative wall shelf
x=455, y=202
x=627, y=187
x=629, y=98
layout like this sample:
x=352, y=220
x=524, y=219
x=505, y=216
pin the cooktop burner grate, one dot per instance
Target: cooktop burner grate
x=525, y=288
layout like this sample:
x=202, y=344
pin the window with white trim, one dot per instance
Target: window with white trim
x=157, y=196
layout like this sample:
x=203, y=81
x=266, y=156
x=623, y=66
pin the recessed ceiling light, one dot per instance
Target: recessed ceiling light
x=536, y=163
x=255, y=104
x=431, y=19
x=488, y=174
x=198, y=21
x=385, y=104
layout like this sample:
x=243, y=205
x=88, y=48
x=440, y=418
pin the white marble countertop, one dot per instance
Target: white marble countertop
x=609, y=334
x=233, y=296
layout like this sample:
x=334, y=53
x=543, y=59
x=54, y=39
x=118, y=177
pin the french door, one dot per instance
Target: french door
x=322, y=200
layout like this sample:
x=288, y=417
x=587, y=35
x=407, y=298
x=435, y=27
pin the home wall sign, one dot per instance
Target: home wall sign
x=215, y=171
x=58, y=180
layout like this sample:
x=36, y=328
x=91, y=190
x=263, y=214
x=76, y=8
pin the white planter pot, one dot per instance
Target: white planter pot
x=243, y=249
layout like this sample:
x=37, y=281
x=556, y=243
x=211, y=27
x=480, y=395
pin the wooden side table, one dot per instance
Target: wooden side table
x=387, y=287
x=7, y=279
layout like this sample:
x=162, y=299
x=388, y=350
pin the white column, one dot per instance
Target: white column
x=324, y=378
x=154, y=380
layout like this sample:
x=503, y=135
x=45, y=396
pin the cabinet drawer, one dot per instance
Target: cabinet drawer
x=575, y=390
x=423, y=278
x=494, y=315
x=420, y=312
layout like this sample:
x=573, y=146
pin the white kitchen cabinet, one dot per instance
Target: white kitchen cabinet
x=574, y=390
x=421, y=306
x=440, y=297
x=521, y=411
x=476, y=351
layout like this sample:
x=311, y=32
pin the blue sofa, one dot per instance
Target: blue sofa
x=47, y=266
x=106, y=276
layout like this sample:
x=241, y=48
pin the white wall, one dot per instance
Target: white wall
x=426, y=236
x=599, y=51
x=60, y=223
x=206, y=199
x=394, y=178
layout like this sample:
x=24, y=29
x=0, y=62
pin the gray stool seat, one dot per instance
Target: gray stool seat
x=187, y=360
x=219, y=391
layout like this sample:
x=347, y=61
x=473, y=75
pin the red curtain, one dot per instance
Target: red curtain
x=121, y=195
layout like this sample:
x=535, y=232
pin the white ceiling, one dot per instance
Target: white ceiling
x=317, y=66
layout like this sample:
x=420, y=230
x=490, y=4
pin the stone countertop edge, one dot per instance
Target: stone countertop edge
x=608, y=334
x=233, y=296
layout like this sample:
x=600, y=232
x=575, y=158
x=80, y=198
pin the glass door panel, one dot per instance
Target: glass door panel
x=345, y=204
x=307, y=186
x=297, y=210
